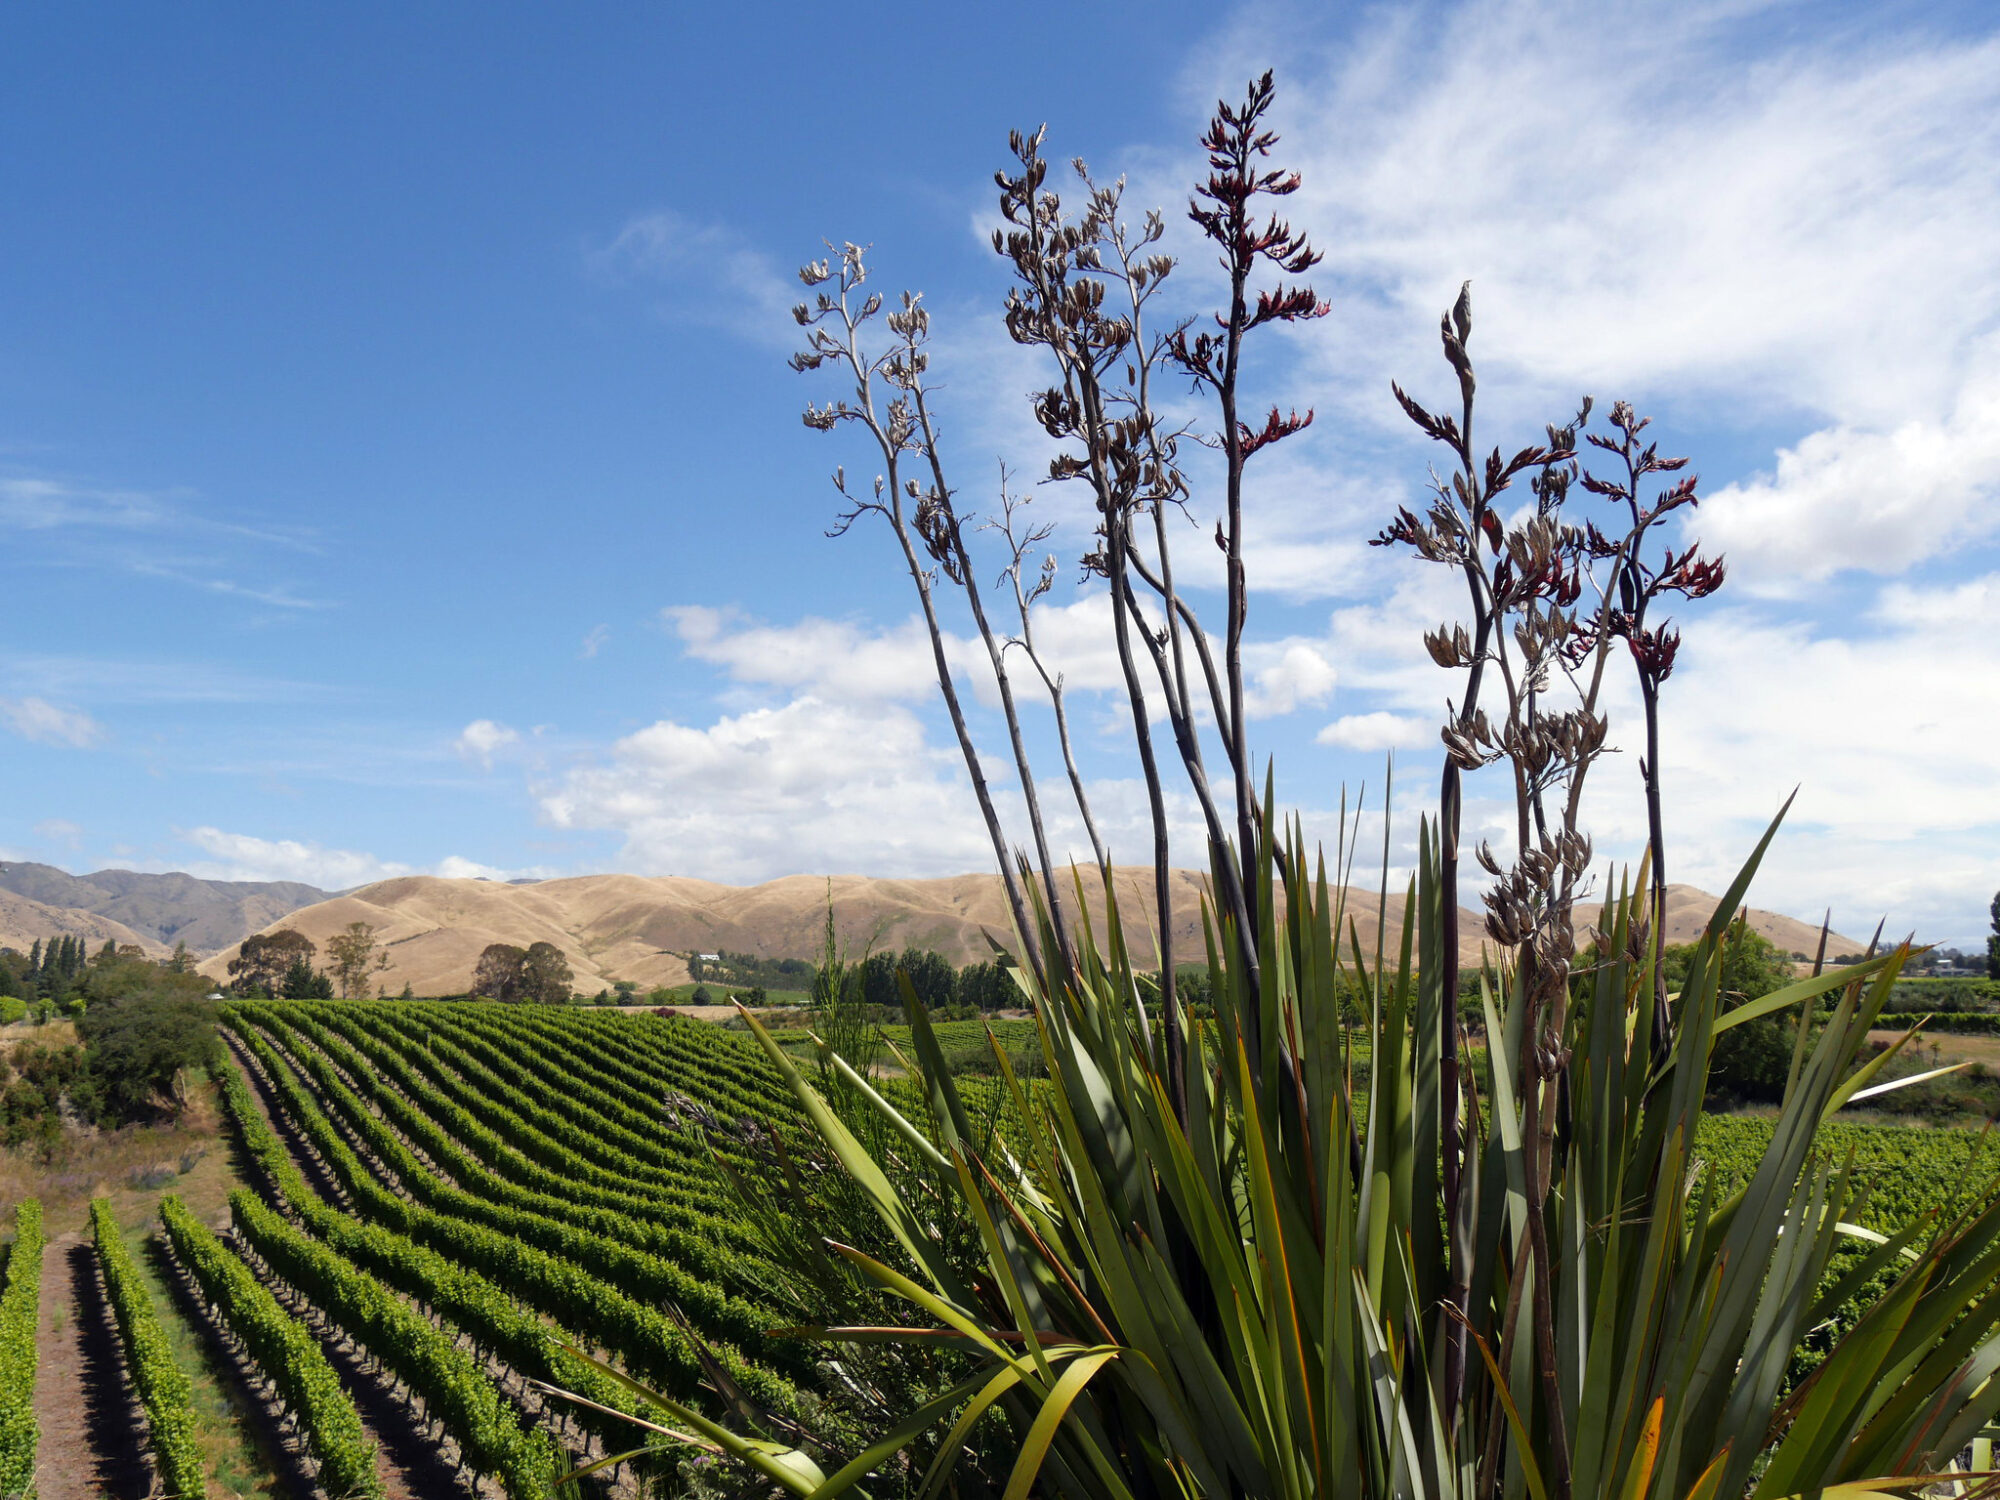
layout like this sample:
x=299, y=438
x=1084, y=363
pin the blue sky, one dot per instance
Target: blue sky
x=399, y=469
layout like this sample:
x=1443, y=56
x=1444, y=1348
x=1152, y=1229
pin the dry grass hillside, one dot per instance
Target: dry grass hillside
x=165, y=908
x=640, y=928
x=1688, y=911
x=23, y=920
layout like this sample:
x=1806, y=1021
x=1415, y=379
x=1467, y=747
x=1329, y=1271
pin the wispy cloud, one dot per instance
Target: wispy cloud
x=48, y=723
x=64, y=523
x=701, y=271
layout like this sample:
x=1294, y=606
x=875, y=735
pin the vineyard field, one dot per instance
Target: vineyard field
x=441, y=1206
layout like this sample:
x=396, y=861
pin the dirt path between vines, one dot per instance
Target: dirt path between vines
x=93, y=1444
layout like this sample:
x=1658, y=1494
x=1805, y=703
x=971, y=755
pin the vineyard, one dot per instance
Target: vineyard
x=443, y=1203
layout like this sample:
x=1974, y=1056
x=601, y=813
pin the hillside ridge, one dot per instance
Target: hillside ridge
x=164, y=908
x=640, y=927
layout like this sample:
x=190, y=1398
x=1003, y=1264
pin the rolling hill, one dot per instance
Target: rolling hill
x=641, y=927
x=24, y=921
x=166, y=909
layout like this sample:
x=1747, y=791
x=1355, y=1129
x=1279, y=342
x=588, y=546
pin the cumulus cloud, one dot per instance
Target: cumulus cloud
x=1298, y=676
x=480, y=739
x=840, y=659
x=48, y=723
x=1376, y=731
x=60, y=831
x=1873, y=500
x=1794, y=234
x=243, y=856
x=814, y=785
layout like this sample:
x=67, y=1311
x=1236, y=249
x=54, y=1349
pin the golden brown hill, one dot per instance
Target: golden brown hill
x=23, y=920
x=1688, y=911
x=642, y=927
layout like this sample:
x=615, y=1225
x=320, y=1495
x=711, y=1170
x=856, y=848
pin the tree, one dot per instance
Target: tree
x=545, y=975
x=265, y=958
x=136, y=1050
x=351, y=959
x=1752, y=1060
x=933, y=979
x=499, y=973
x=1993, y=943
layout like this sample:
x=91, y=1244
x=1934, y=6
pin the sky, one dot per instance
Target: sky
x=400, y=469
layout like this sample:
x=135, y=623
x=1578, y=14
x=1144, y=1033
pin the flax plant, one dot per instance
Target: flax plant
x=1261, y=1251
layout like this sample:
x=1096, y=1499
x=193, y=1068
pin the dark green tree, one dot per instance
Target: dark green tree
x=1993, y=943
x=545, y=975
x=500, y=972
x=300, y=982
x=137, y=1051
x=1751, y=1061
x=264, y=960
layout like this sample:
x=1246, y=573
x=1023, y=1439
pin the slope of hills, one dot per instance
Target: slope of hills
x=640, y=927
x=24, y=920
x=172, y=908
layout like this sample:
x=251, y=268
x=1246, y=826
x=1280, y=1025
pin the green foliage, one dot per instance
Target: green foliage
x=1252, y=1298
x=36, y=1078
x=283, y=1348
x=575, y=1278
x=266, y=961
x=20, y=1306
x=138, y=1049
x=1993, y=942
x=163, y=1388
x=12, y=1008
x=532, y=1346
x=1750, y=1062
x=453, y=1389
x=1957, y=995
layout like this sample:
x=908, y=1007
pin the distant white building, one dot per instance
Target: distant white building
x=709, y=958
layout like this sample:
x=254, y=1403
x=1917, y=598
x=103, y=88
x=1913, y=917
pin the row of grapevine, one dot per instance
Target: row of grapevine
x=733, y=1075
x=163, y=1387
x=1909, y=1171
x=444, y=1377
x=563, y=1096
x=525, y=1217
x=472, y=1157
x=554, y=1146
x=554, y=1284
x=521, y=1074
x=20, y=1306
x=464, y=1299
x=283, y=1349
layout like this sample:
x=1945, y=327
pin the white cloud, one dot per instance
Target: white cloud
x=839, y=659
x=1797, y=236
x=813, y=785
x=47, y=723
x=481, y=738
x=242, y=856
x=594, y=642
x=1376, y=731
x=1879, y=501
x=1299, y=677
